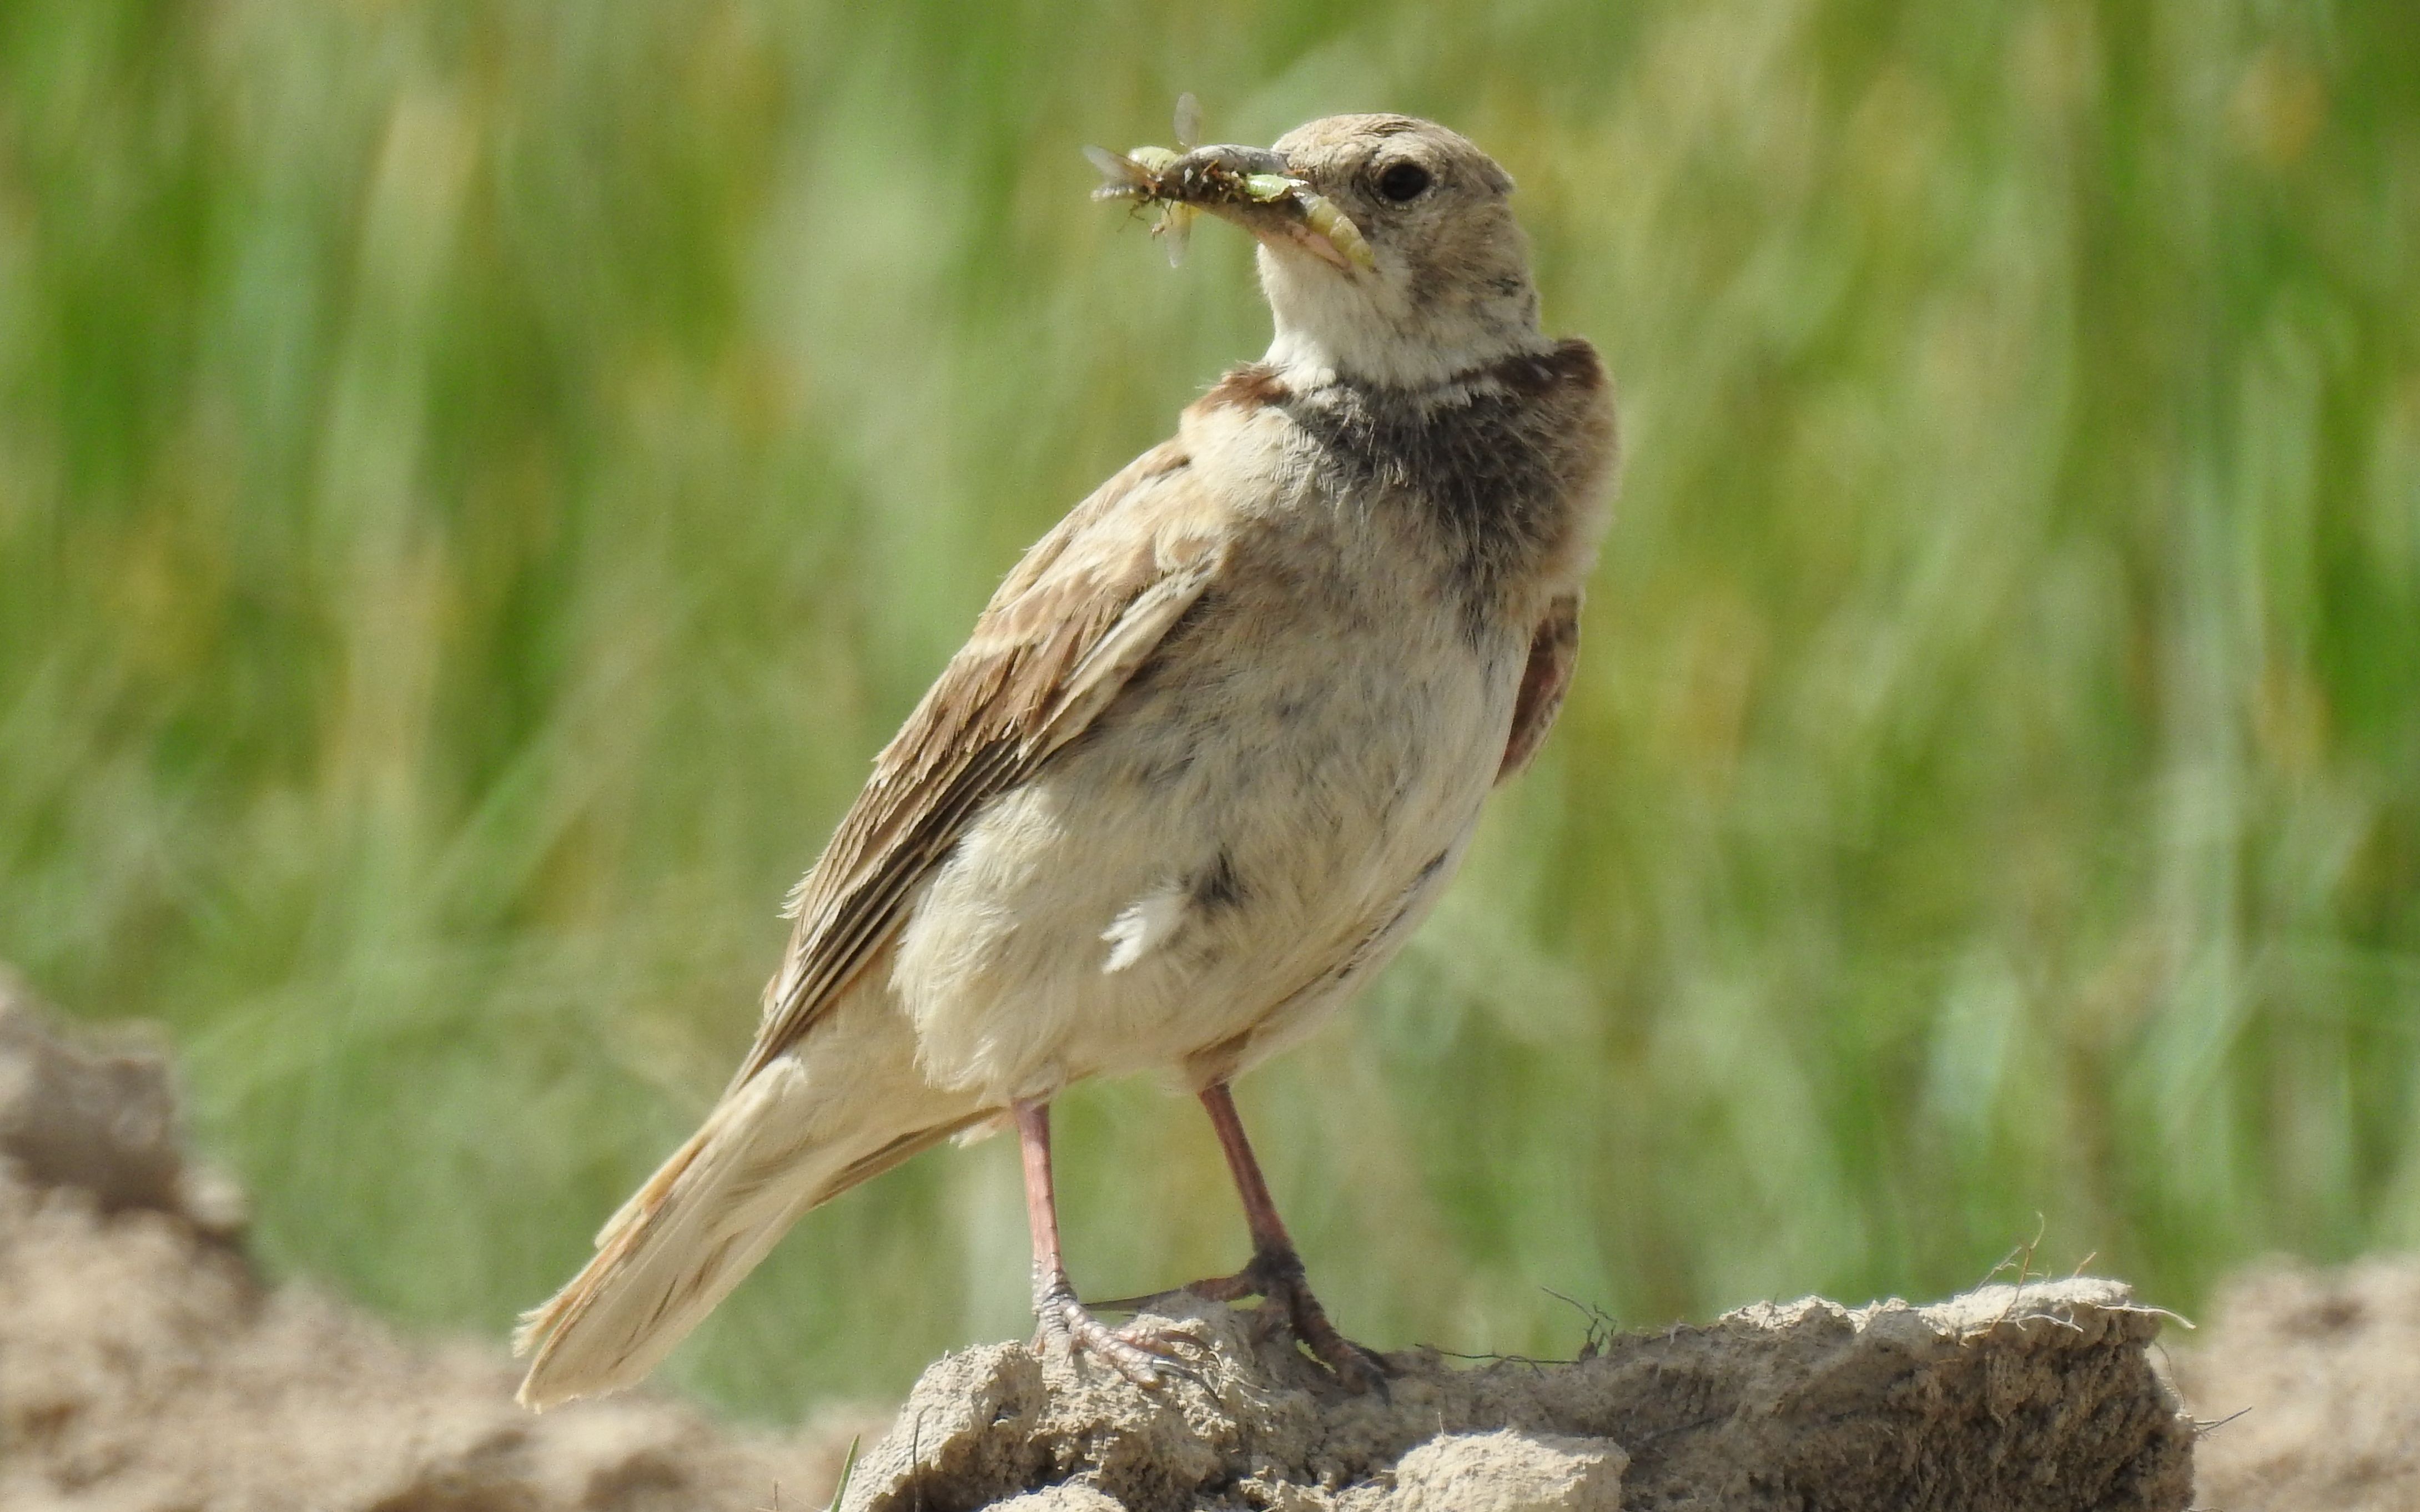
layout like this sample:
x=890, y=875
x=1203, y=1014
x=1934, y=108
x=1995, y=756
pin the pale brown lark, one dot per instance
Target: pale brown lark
x=1212, y=752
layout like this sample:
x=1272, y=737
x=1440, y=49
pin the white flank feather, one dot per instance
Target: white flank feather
x=1142, y=925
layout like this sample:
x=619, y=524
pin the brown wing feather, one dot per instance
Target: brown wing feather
x=1068, y=627
x=1554, y=651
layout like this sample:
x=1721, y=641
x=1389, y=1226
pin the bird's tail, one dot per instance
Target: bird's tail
x=764, y=1155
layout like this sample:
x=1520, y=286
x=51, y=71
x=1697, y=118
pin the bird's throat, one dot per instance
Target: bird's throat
x=1361, y=328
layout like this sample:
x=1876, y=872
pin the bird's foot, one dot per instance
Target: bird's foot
x=1277, y=1276
x=1145, y=1356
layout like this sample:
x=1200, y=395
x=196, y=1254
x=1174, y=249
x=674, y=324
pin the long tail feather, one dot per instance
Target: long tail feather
x=693, y=1231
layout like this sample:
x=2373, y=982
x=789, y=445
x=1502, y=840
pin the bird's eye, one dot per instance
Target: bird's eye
x=1404, y=182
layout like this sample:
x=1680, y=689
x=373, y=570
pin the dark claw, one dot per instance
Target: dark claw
x=1277, y=1275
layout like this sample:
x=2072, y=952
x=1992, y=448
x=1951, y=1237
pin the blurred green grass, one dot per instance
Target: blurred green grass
x=477, y=482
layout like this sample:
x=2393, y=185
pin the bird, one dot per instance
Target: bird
x=1210, y=755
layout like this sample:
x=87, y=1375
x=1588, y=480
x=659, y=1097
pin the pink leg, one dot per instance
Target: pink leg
x=1261, y=1217
x=1276, y=1270
x=1063, y=1319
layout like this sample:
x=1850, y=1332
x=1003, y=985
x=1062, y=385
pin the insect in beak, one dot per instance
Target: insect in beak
x=1249, y=186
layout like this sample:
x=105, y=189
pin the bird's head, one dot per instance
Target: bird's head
x=1429, y=275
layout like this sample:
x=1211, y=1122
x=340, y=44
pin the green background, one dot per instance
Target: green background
x=477, y=483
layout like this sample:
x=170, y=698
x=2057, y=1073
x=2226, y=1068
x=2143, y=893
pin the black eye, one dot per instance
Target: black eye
x=1404, y=182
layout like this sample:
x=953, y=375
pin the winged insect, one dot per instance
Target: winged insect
x=1183, y=180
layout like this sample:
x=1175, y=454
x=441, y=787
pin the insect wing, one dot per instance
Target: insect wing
x=1122, y=177
x=1176, y=228
x=1189, y=121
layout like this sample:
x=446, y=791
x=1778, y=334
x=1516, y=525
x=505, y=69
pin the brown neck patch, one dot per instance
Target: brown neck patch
x=1573, y=362
x=1252, y=386
x=1492, y=465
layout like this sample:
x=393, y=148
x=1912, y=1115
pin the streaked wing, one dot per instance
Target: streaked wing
x=1553, y=650
x=1085, y=607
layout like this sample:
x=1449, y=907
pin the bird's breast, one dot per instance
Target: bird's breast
x=1313, y=740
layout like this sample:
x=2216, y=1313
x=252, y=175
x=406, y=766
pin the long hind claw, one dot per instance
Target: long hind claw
x=1277, y=1275
x=1145, y=1356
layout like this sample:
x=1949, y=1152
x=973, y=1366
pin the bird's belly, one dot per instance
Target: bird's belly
x=1219, y=849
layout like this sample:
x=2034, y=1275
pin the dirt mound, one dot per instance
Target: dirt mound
x=101, y=1119
x=142, y=1365
x=2315, y=1376
x=1997, y=1399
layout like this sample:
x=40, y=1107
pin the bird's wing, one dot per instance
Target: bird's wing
x=1083, y=609
x=1553, y=650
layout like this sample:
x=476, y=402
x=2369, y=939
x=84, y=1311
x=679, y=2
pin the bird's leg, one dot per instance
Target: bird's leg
x=1276, y=1270
x=1140, y=1359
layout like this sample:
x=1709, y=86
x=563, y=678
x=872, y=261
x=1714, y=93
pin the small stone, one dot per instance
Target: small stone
x=1073, y=1496
x=1509, y=1470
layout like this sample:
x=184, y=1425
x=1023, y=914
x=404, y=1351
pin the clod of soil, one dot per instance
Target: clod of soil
x=145, y=1369
x=101, y=1118
x=2313, y=1377
x=2007, y=1398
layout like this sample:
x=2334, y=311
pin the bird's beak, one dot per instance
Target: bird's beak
x=1297, y=219
x=1253, y=188
x=1292, y=225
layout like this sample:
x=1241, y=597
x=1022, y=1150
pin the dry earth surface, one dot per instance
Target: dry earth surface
x=2315, y=1375
x=145, y=1366
x=2044, y=1397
